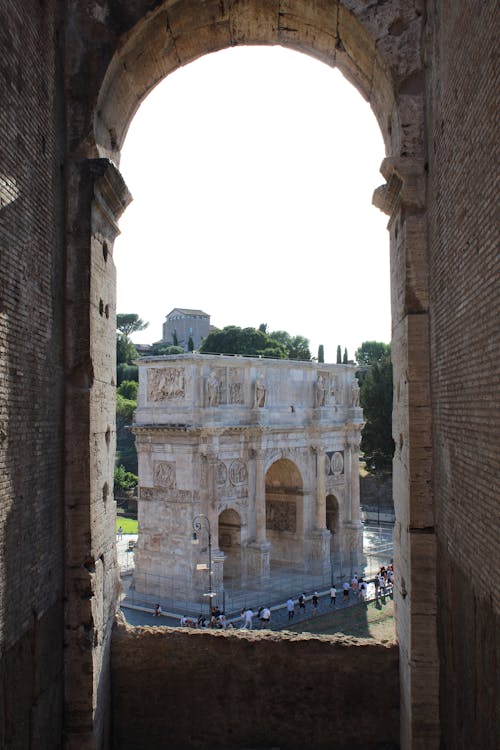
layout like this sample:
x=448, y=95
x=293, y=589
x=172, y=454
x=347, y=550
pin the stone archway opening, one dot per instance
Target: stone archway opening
x=381, y=54
x=332, y=524
x=284, y=514
x=230, y=544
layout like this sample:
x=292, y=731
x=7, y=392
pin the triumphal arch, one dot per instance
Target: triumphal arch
x=266, y=450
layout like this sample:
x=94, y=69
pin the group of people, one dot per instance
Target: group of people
x=217, y=619
x=358, y=586
x=383, y=581
x=301, y=600
x=263, y=616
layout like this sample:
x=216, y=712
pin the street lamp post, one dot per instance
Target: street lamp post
x=199, y=522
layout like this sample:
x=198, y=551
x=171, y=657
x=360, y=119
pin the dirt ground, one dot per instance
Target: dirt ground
x=373, y=620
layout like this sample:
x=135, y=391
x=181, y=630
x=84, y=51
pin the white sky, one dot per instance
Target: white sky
x=252, y=171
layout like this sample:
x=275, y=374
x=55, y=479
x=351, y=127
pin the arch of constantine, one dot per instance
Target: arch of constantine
x=267, y=450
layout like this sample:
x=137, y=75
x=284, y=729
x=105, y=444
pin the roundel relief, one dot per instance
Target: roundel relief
x=237, y=472
x=337, y=463
x=334, y=463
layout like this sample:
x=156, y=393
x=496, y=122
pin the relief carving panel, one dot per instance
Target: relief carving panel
x=220, y=473
x=280, y=516
x=238, y=472
x=235, y=386
x=166, y=383
x=164, y=474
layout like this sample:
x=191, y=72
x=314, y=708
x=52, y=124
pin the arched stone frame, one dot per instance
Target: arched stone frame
x=231, y=542
x=107, y=77
x=287, y=543
x=335, y=515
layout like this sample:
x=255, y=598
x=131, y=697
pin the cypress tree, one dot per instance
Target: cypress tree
x=321, y=353
x=339, y=355
x=190, y=344
x=345, y=360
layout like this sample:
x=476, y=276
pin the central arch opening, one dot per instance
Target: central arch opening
x=285, y=514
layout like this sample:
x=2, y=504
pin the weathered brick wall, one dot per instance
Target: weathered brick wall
x=458, y=309
x=202, y=690
x=462, y=100
x=31, y=383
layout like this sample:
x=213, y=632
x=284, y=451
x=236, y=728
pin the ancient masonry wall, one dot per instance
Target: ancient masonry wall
x=249, y=690
x=464, y=287
x=31, y=379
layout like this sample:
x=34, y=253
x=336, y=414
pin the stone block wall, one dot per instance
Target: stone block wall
x=57, y=284
x=199, y=690
x=462, y=99
x=376, y=492
x=31, y=378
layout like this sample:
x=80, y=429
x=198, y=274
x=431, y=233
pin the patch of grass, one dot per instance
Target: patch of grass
x=129, y=525
x=373, y=620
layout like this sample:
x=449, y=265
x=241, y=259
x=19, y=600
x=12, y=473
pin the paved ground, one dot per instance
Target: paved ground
x=378, y=547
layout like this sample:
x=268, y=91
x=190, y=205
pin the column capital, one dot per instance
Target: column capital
x=256, y=453
x=318, y=449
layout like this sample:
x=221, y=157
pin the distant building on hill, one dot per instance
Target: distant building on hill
x=182, y=324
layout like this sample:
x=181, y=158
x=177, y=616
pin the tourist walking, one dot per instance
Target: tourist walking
x=315, y=603
x=363, y=588
x=333, y=596
x=345, y=588
x=247, y=618
x=265, y=617
x=302, y=601
x=290, y=605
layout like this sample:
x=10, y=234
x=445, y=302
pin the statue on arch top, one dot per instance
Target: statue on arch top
x=260, y=392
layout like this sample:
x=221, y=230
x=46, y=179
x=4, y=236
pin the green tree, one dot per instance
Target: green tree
x=175, y=340
x=321, y=353
x=125, y=481
x=297, y=346
x=126, y=372
x=127, y=323
x=346, y=357
x=128, y=389
x=162, y=349
x=339, y=355
x=190, y=344
x=376, y=399
x=244, y=341
x=126, y=453
x=372, y=351
x=125, y=350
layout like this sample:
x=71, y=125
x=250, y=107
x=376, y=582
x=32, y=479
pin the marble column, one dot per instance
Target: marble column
x=354, y=479
x=209, y=508
x=353, y=527
x=260, y=497
x=320, y=488
x=317, y=542
x=258, y=551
